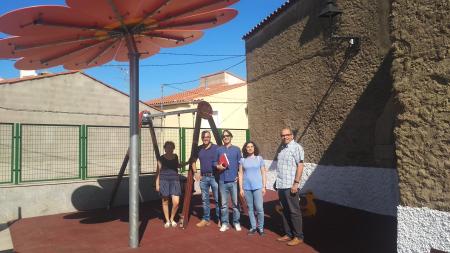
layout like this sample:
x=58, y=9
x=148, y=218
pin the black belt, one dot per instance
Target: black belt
x=207, y=174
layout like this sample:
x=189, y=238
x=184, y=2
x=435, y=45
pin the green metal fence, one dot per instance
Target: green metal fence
x=39, y=152
x=6, y=153
x=106, y=149
x=49, y=152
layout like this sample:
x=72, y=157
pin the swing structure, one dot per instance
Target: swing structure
x=203, y=111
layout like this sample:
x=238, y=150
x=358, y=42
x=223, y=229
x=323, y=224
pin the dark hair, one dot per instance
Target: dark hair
x=205, y=132
x=228, y=132
x=167, y=143
x=244, y=149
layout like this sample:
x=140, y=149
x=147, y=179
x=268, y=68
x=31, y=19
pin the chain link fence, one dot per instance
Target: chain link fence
x=32, y=152
x=106, y=149
x=49, y=152
x=6, y=155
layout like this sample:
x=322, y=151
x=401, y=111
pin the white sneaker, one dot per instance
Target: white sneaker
x=167, y=225
x=237, y=226
x=224, y=228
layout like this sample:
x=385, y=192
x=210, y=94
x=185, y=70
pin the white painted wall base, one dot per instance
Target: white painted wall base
x=376, y=190
x=420, y=229
x=371, y=189
x=62, y=197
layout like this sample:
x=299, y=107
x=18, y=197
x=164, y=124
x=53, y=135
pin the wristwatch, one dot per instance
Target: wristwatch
x=296, y=182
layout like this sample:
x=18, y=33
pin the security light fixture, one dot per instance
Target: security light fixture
x=330, y=11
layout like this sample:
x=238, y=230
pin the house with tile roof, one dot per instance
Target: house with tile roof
x=226, y=93
x=71, y=97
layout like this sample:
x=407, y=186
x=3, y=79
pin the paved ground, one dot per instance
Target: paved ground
x=333, y=229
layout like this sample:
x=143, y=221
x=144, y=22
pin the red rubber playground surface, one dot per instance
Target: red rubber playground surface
x=333, y=229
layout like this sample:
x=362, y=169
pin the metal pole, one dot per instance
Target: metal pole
x=161, y=105
x=133, y=55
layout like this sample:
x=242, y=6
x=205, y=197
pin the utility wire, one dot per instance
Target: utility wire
x=203, y=55
x=232, y=113
x=190, y=81
x=198, y=79
x=50, y=111
x=173, y=64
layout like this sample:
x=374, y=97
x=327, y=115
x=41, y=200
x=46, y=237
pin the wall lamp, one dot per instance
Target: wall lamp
x=330, y=11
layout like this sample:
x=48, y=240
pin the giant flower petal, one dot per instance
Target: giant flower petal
x=88, y=33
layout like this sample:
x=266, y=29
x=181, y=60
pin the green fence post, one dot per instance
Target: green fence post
x=80, y=152
x=84, y=152
x=17, y=152
x=247, y=135
x=182, y=133
x=11, y=179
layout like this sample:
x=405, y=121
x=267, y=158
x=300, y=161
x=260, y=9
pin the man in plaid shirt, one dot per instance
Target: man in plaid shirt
x=289, y=172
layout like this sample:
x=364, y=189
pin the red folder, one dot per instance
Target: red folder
x=223, y=159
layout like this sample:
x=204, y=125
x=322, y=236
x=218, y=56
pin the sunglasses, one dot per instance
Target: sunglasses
x=226, y=135
x=285, y=135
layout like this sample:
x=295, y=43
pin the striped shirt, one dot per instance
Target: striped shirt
x=288, y=158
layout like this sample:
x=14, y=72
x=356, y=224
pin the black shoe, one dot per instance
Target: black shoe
x=261, y=232
x=251, y=232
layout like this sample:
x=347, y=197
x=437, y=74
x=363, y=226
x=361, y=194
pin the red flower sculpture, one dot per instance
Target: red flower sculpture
x=89, y=33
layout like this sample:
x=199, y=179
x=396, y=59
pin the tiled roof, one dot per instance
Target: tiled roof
x=196, y=94
x=269, y=18
x=26, y=78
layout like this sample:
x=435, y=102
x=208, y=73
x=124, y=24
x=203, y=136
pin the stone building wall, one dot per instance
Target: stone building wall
x=384, y=106
x=337, y=99
x=421, y=71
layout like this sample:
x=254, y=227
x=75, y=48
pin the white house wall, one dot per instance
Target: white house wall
x=230, y=105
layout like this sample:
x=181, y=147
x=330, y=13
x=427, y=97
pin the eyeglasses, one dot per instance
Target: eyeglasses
x=285, y=135
x=206, y=137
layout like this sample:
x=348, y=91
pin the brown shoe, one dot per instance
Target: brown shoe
x=202, y=223
x=284, y=238
x=295, y=241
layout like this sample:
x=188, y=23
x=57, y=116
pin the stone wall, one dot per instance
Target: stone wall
x=386, y=105
x=421, y=72
x=337, y=99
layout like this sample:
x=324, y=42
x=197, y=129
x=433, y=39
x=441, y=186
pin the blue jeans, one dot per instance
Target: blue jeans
x=226, y=190
x=254, y=199
x=205, y=183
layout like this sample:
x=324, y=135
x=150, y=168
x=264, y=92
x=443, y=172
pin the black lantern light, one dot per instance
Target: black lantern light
x=330, y=11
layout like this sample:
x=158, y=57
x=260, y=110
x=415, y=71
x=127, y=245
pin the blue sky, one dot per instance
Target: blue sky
x=223, y=40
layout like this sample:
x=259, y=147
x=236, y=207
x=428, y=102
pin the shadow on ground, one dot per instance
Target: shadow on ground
x=333, y=229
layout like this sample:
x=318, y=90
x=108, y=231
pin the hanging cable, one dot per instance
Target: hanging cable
x=173, y=64
x=203, y=55
x=198, y=79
